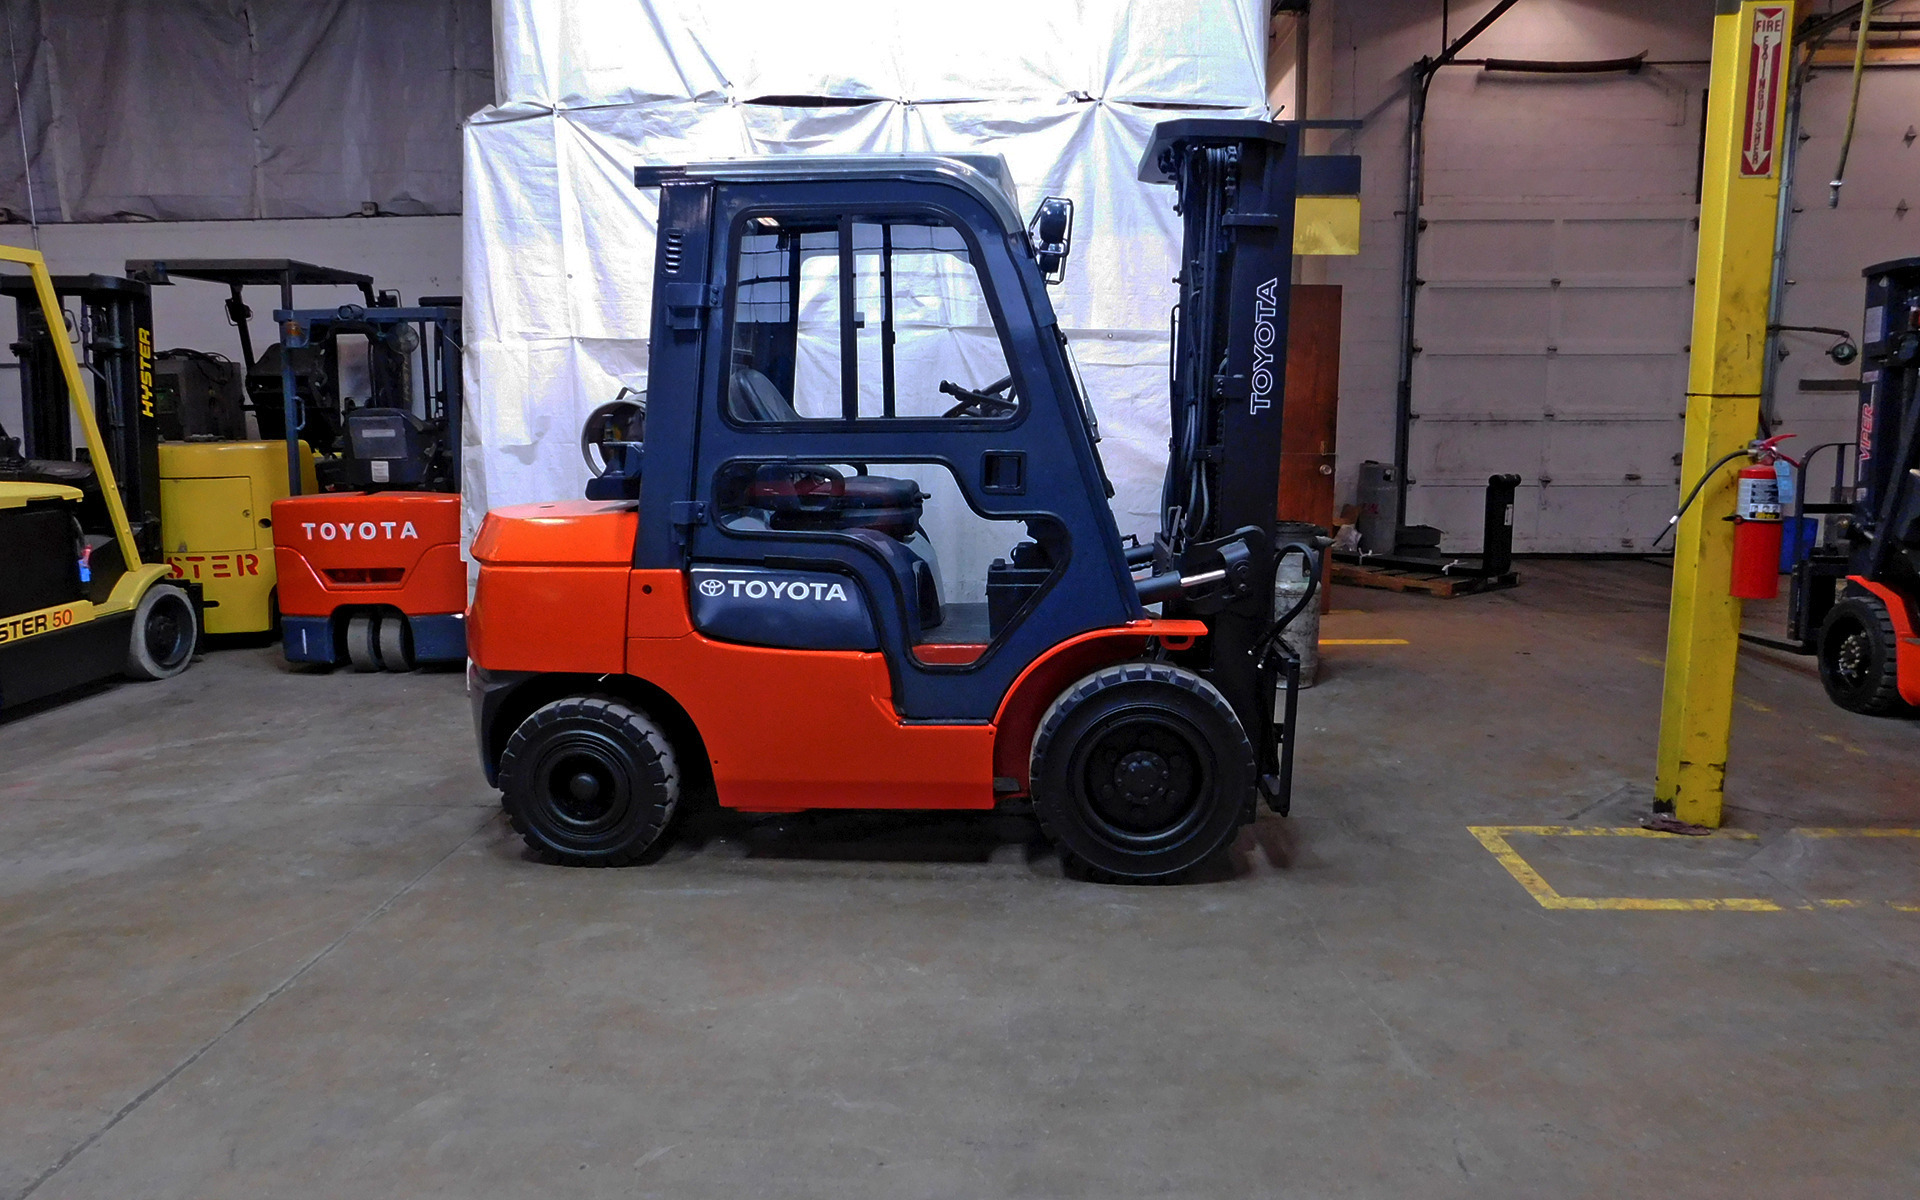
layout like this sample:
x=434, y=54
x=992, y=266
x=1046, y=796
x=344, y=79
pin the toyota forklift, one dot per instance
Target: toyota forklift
x=1854, y=602
x=369, y=567
x=79, y=606
x=856, y=551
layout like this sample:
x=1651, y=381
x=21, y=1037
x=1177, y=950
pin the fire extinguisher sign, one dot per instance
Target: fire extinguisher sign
x=1765, y=66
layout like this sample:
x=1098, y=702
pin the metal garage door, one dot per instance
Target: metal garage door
x=1553, y=347
x=1552, y=329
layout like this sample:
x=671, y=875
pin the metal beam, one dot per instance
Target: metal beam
x=1479, y=27
x=1746, y=130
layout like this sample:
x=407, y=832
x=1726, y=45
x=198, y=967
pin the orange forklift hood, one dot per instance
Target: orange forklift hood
x=559, y=533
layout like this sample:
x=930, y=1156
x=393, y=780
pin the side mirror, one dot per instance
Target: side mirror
x=1050, y=233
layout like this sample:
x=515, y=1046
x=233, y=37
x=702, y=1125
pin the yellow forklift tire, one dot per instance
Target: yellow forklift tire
x=396, y=643
x=166, y=632
x=362, y=650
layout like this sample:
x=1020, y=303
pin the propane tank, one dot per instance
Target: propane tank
x=1757, y=528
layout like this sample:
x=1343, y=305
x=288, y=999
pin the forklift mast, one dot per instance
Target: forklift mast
x=413, y=361
x=269, y=373
x=1886, y=511
x=116, y=349
x=1235, y=182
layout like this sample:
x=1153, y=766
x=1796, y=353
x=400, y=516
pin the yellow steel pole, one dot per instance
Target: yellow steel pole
x=1746, y=101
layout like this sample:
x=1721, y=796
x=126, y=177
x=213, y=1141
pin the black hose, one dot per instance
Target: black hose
x=1674, y=520
x=1279, y=627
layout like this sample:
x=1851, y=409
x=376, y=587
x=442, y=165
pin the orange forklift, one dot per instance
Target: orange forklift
x=369, y=565
x=855, y=548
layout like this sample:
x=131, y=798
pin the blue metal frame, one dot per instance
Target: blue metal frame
x=1091, y=587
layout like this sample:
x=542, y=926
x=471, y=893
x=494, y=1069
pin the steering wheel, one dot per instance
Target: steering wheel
x=985, y=402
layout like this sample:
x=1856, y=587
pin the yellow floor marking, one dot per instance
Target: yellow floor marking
x=1364, y=642
x=1494, y=838
x=1345, y=612
x=1755, y=705
x=1650, y=660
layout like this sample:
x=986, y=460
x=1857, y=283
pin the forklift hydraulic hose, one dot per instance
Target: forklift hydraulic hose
x=1312, y=557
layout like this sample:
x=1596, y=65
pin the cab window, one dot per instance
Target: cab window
x=862, y=318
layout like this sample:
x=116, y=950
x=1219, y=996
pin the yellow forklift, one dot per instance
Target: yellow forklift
x=77, y=607
x=218, y=485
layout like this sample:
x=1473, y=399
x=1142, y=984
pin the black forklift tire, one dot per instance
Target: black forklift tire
x=589, y=782
x=166, y=632
x=1140, y=773
x=1859, y=657
x=363, y=647
x=395, y=642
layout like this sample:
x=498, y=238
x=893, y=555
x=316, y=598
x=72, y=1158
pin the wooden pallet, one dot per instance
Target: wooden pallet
x=1396, y=580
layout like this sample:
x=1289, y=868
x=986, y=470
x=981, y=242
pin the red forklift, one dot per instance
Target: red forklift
x=854, y=550
x=369, y=566
x=1855, y=598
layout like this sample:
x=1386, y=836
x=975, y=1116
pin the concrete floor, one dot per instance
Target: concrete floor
x=266, y=934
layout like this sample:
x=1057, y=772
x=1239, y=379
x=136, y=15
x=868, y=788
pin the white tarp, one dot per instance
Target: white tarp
x=559, y=242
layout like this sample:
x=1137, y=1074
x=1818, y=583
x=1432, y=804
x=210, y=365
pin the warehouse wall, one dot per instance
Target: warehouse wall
x=1591, y=182
x=1523, y=151
x=233, y=109
x=1558, y=254
x=1828, y=247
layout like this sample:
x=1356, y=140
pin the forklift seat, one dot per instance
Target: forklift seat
x=753, y=397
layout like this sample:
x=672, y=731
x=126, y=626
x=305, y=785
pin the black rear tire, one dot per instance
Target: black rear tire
x=589, y=782
x=1140, y=773
x=1859, y=657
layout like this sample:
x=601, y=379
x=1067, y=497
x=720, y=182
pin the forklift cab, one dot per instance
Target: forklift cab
x=884, y=421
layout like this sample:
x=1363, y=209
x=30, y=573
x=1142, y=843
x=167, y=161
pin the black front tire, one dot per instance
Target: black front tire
x=589, y=782
x=1140, y=773
x=1859, y=657
x=166, y=632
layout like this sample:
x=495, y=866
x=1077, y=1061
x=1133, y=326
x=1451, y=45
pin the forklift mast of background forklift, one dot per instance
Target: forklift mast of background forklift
x=1886, y=513
x=265, y=375
x=115, y=340
x=412, y=363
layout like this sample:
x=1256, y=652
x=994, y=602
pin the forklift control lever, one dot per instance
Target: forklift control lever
x=982, y=403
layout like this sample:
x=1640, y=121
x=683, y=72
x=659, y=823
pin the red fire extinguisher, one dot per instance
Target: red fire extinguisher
x=1757, y=526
